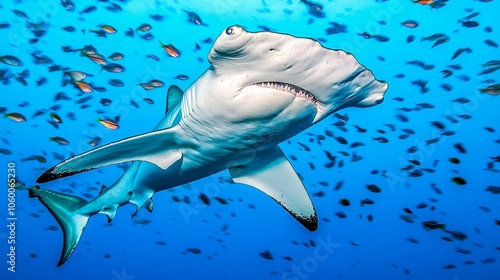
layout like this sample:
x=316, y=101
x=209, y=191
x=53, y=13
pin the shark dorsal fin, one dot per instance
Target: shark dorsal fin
x=174, y=97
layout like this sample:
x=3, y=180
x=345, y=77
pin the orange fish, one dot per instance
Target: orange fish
x=97, y=58
x=108, y=28
x=171, y=50
x=83, y=86
x=423, y=2
x=109, y=124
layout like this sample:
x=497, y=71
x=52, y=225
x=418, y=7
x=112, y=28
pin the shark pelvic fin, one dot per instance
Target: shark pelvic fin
x=271, y=173
x=142, y=200
x=149, y=205
x=158, y=147
x=64, y=208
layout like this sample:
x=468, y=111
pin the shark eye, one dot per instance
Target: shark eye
x=379, y=101
x=230, y=31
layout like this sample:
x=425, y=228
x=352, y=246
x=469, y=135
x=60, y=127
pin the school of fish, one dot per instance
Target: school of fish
x=338, y=144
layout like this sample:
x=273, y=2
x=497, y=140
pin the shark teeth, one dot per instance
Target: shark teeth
x=295, y=90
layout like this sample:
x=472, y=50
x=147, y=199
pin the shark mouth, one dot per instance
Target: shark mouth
x=293, y=89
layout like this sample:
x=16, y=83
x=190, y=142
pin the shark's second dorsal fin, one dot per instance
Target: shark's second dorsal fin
x=103, y=187
x=272, y=173
x=174, y=97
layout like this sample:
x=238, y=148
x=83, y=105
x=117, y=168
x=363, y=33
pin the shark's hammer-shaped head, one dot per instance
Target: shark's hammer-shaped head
x=331, y=79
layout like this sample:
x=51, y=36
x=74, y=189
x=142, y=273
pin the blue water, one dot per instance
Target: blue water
x=191, y=240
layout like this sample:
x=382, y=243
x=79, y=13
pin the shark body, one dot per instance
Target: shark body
x=261, y=89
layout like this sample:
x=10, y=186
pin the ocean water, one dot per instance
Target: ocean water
x=422, y=202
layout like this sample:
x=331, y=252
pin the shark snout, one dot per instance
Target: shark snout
x=380, y=91
x=376, y=94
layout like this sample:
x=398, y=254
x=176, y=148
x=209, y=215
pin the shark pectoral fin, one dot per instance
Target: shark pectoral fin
x=271, y=173
x=64, y=207
x=158, y=147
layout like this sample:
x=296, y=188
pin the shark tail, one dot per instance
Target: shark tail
x=64, y=208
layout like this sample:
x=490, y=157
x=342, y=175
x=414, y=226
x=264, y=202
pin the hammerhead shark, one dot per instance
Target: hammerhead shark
x=261, y=89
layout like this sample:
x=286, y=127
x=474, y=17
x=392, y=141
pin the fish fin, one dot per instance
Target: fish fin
x=158, y=147
x=110, y=211
x=173, y=110
x=272, y=173
x=103, y=187
x=174, y=97
x=64, y=207
x=141, y=200
x=150, y=205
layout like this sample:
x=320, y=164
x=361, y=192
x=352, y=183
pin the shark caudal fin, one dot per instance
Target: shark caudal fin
x=63, y=208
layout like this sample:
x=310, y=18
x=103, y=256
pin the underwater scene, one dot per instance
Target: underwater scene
x=233, y=139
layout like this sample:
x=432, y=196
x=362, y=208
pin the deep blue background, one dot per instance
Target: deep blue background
x=231, y=237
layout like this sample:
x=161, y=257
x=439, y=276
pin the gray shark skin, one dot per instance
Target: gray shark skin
x=261, y=89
